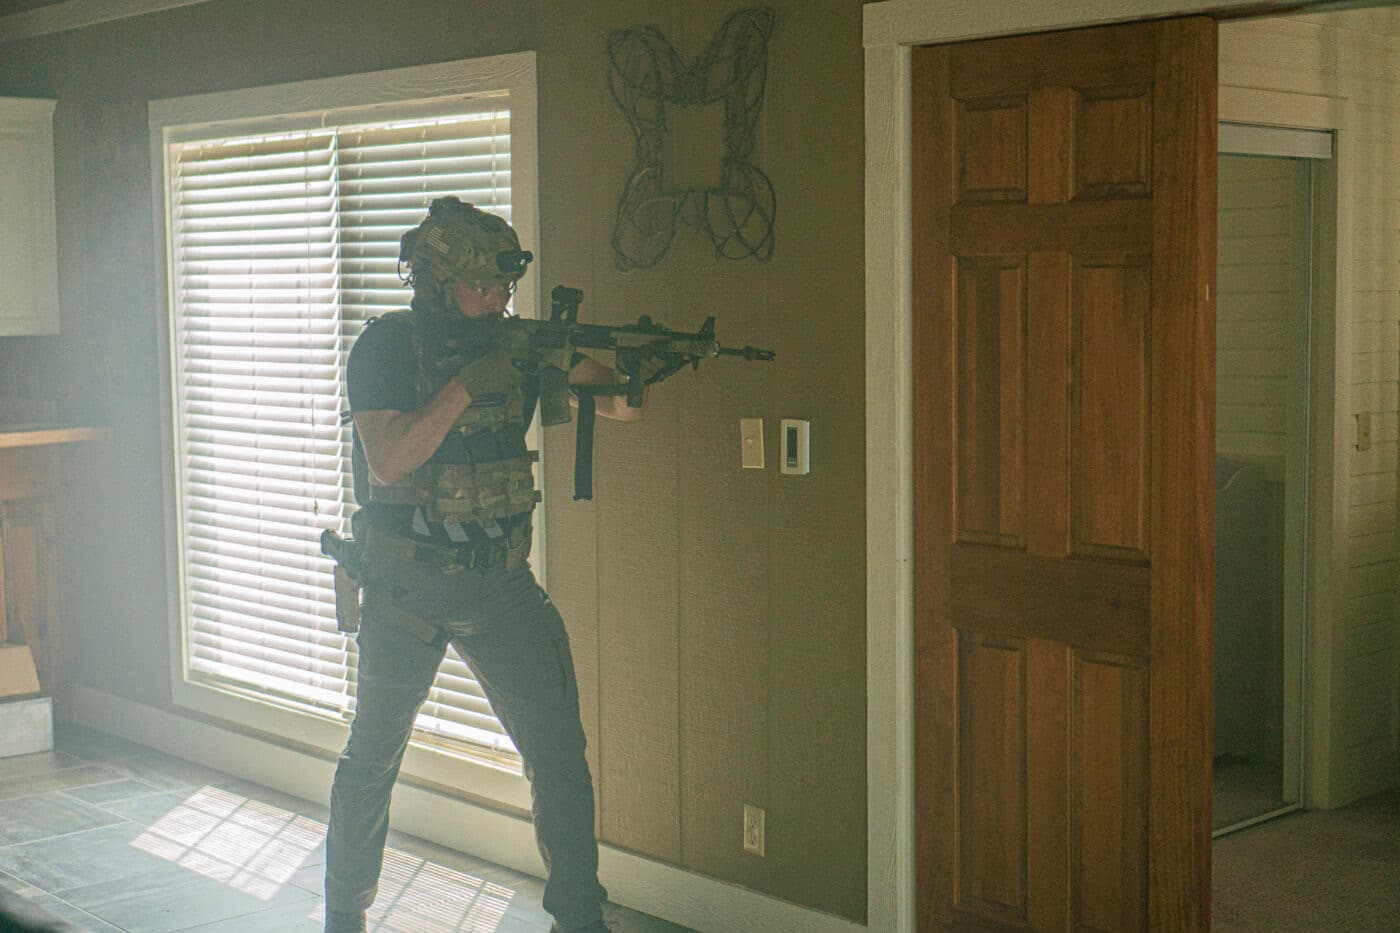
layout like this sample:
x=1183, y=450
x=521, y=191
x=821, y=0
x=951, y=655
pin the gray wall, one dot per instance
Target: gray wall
x=717, y=614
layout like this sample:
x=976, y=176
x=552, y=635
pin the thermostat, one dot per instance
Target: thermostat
x=797, y=451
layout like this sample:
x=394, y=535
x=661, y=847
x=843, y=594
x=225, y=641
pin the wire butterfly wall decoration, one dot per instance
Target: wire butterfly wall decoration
x=647, y=77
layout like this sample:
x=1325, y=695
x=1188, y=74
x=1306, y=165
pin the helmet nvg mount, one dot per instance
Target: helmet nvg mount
x=459, y=242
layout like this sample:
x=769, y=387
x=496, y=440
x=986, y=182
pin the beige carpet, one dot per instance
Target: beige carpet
x=1243, y=790
x=1313, y=871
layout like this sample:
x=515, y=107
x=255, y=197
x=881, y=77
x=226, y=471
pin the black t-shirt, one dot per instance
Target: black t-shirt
x=381, y=371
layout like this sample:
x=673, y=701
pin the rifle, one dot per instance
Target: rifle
x=645, y=353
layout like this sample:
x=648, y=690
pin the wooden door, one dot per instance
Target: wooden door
x=1064, y=244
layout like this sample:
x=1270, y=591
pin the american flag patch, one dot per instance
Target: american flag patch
x=436, y=241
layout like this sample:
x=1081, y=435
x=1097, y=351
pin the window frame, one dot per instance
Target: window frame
x=352, y=98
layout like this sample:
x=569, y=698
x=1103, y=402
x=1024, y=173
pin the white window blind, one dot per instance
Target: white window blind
x=283, y=246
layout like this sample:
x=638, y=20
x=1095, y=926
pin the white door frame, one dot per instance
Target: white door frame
x=891, y=28
x=1330, y=440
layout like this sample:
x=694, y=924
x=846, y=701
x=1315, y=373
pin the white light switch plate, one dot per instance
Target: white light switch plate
x=751, y=443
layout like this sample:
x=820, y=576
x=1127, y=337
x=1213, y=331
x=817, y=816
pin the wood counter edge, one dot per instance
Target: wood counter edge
x=36, y=438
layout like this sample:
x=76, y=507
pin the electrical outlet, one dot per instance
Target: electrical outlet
x=753, y=830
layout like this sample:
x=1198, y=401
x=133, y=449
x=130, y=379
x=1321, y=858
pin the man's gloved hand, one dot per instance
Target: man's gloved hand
x=490, y=374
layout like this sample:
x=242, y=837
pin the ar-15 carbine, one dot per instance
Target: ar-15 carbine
x=644, y=353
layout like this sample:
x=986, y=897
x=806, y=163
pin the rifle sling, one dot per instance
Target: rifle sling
x=583, y=446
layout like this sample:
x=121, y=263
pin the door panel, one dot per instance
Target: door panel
x=993, y=757
x=991, y=411
x=1064, y=253
x=1109, y=413
x=1108, y=774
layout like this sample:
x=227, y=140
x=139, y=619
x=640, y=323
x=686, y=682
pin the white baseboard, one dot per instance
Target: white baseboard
x=662, y=890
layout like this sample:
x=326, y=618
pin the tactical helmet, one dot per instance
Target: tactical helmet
x=459, y=242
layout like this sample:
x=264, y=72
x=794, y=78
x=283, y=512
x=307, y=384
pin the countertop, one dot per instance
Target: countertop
x=36, y=435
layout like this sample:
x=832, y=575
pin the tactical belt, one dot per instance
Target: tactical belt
x=454, y=557
x=384, y=545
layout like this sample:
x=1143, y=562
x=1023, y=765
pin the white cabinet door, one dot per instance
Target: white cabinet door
x=28, y=246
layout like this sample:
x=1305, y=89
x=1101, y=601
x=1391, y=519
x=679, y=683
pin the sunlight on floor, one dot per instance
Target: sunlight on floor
x=256, y=848
x=418, y=895
x=250, y=846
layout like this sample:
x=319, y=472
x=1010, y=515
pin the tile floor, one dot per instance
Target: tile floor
x=114, y=836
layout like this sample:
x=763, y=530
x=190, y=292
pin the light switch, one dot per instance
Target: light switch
x=751, y=443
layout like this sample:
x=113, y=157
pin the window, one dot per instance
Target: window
x=282, y=236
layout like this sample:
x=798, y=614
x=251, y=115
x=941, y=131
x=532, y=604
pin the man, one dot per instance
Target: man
x=440, y=417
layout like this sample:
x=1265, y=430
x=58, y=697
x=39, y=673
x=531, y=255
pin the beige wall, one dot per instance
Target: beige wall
x=1344, y=70
x=717, y=614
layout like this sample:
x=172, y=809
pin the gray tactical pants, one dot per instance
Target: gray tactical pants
x=509, y=632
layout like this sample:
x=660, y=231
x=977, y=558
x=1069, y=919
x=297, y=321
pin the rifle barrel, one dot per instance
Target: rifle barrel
x=748, y=353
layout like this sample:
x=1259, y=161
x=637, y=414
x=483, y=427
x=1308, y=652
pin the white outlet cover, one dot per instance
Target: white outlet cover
x=753, y=830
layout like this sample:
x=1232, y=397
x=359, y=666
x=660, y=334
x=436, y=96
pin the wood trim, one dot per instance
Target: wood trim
x=1083, y=603
x=935, y=640
x=40, y=437
x=74, y=14
x=1283, y=108
x=889, y=593
x=195, y=116
x=1329, y=491
x=37, y=111
x=922, y=22
x=1182, y=504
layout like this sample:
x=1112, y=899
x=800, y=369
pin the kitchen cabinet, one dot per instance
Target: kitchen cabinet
x=28, y=242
